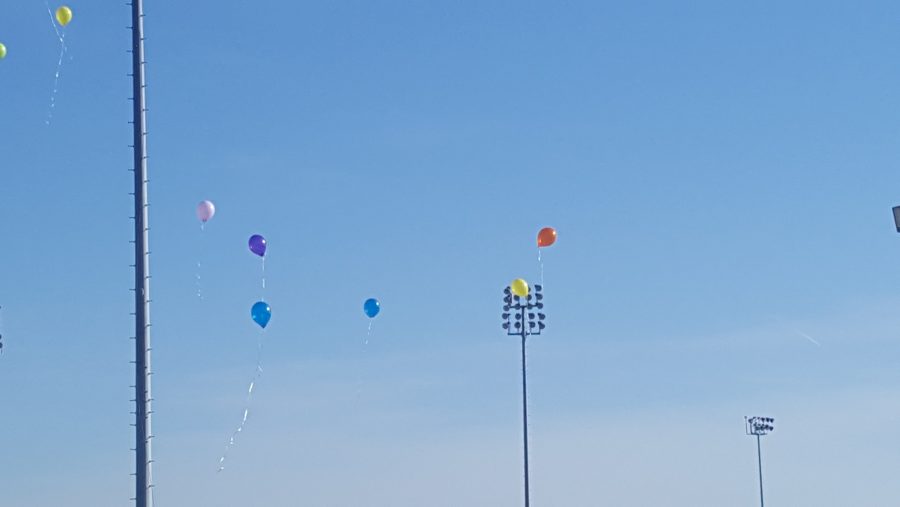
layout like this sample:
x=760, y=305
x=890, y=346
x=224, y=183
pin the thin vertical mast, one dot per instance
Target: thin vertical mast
x=525, y=411
x=143, y=412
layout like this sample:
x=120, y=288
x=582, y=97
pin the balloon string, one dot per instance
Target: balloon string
x=264, y=274
x=199, y=283
x=542, y=266
x=53, y=21
x=359, y=374
x=253, y=381
x=62, y=53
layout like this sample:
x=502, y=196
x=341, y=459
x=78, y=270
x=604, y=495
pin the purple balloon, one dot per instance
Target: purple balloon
x=258, y=245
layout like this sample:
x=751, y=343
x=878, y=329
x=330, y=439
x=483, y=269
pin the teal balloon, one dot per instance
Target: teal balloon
x=371, y=307
x=261, y=313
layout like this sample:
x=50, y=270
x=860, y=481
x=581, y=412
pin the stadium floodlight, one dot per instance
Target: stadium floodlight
x=759, y=427
x=524, y=314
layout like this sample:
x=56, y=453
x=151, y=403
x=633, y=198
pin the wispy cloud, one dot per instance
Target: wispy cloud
x=808, y=337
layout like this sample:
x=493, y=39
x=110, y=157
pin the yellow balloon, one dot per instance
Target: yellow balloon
x=2, y=51
x=519, y=287
x=64, y=15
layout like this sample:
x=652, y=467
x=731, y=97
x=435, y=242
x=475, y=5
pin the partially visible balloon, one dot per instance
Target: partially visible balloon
x=64, y=15
x=519, y=287
x=258, y=245
x=261, y=313
x=371, y=307
x=2, y=51
x=546, y=237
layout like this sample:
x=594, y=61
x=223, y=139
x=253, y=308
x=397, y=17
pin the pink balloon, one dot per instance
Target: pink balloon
x=205, y=211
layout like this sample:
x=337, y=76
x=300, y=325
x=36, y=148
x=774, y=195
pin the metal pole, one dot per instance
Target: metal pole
x=143, y=456
x=759, y=458
x=525, y=406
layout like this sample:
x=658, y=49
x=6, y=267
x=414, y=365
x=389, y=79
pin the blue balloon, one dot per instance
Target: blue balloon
x=261, y=313
x=371, y=307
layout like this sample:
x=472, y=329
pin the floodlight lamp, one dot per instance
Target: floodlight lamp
x=539, y=296
x=540, y=306
x=504, y=316
x=518, y=316
x=518, y=325
x=507, y=291
x=541, y=316
x=538, y=287
x=530, y=315
x=506, y=325
x=541, y=325
x=505, y=308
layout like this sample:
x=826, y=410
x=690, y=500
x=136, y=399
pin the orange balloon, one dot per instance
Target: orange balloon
x=546, y=237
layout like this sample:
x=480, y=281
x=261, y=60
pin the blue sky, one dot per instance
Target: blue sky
x=721, y=178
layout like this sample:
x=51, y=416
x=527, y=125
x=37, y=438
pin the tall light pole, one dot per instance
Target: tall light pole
x=520, y=319
x=142, y=397
x=759, y=427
